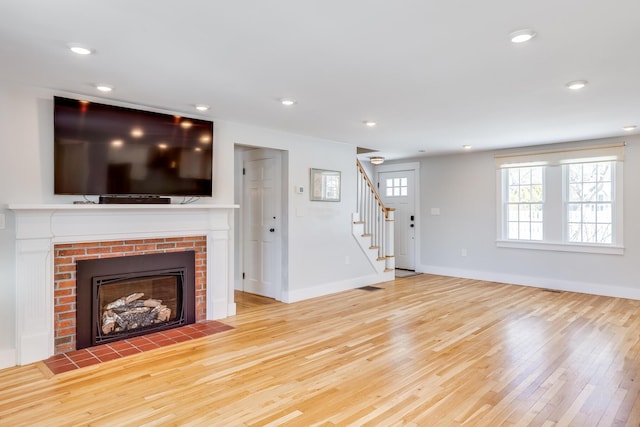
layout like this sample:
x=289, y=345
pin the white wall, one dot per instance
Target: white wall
x=319, y=234
x=12, y=181
x=464, y=188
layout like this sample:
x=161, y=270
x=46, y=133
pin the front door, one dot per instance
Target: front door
x=261, y=212
x=397, y=190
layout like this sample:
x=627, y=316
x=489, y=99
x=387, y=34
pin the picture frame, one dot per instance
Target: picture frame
x=325, y=185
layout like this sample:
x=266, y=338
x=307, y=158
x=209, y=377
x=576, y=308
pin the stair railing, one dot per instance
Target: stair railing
x=377, y=219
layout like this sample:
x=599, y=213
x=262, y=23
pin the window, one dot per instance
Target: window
x=589, y=205
x=568, y=199
x=397, y=187
x=524, y=203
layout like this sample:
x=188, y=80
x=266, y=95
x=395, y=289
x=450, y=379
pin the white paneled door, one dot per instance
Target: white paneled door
x=397, y=190
x=262, y=234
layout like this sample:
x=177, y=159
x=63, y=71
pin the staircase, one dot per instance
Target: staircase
x=372, y=226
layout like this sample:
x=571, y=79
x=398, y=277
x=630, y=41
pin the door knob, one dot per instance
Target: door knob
x=272, y=230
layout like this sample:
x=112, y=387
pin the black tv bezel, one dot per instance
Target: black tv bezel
x=135, y=111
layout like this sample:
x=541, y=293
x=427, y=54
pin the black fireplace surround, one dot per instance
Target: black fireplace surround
x=123, y=297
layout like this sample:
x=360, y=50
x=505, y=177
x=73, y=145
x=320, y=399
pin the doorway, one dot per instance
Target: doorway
x=262, y=221
x=398, y=189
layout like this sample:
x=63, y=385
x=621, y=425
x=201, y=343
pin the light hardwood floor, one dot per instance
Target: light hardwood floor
x=425, y=351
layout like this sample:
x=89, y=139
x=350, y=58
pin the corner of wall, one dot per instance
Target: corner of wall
x=7, y=291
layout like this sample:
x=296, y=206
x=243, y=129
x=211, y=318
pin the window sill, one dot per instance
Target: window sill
x=561, y=247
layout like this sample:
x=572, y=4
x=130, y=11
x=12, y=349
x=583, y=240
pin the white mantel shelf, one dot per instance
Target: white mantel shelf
x=123, y=206
x=41, y=226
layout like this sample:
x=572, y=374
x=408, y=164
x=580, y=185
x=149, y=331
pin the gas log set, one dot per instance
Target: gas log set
x=133, y=312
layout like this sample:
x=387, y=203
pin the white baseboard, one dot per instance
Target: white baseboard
x=231, y=309
x=538, y=282
x=8, y=358
x=332, y=288
x=218, y=309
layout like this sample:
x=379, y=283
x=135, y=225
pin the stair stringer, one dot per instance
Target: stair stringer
x=364, y=241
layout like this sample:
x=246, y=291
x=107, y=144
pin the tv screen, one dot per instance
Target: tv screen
x=107, y=150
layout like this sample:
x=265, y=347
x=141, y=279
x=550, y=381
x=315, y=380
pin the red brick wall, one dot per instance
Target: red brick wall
x=66, y=255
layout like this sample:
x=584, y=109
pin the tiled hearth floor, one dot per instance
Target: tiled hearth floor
x=94, y=355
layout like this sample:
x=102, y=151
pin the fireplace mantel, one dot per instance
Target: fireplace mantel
x=39, y=227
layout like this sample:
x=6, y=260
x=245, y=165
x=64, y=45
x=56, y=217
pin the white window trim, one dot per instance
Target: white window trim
x=561, y=247
x=555, y=158
x=595, y=153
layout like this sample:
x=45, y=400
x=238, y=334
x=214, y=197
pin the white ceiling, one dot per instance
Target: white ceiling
x=434, y=74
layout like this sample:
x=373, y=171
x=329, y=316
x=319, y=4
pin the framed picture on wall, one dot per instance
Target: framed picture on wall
x=325, y=185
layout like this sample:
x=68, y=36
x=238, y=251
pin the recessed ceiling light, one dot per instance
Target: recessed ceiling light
x=630, y=128
x=104, y=88
x=287, y=102
x=522, y=36
x=202, y=107
x=79, y=49
x=577, y=84
x=466, y=147
x=369, y=123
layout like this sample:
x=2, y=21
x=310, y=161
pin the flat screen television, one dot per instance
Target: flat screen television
x=108, y=150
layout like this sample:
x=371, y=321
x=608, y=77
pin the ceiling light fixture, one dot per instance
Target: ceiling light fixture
x=522, y=36
x=369, y=123
x=79, y=49
x=630, y=128
x=577, y=84
x=287, y=102
x=202, y=107
x=104, y=88
x=376, y=160
x=466, y=147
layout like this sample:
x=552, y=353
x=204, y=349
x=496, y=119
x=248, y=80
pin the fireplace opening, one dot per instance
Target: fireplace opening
x=122, y=297
x=126, y=305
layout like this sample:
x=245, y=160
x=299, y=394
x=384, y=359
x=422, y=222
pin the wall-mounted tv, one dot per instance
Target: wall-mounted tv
x=108, y=150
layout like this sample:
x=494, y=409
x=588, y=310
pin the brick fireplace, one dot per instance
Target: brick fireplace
x=67, y=255
x=51, y=238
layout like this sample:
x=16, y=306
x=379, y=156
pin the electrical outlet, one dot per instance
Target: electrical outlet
x=463, y=252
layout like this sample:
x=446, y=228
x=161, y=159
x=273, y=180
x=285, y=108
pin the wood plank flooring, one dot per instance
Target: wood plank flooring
x=425, y=351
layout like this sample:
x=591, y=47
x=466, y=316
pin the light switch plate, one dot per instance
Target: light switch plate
x=3, y=221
